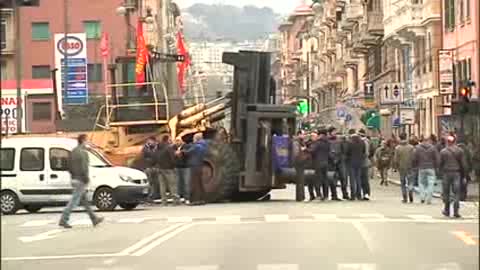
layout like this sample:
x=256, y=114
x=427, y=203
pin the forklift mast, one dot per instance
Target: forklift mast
x=257, y=123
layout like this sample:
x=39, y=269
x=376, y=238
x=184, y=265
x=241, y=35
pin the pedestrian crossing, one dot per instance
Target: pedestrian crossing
x=268, y=218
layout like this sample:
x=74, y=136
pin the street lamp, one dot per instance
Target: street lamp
x=124, y=10
x=317, y=7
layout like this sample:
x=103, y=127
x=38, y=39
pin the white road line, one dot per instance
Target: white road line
x=324, y=216
x=148, y=239
x=81, y=222
x=162, y=239
x=276, y=218
x=277, y=267
x=37, y=223
x=356, y=266
x=132, y=220
x=228, y=219
x=420, y=217
x=371, y=215
x=366, y=236
x=198, y=267
x=179, y=219
x=441, y=266
x=109, y=261
x=61, y=257
x=41, y=236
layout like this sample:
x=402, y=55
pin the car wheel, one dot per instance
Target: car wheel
x=32, y=208
x=9, y=203
x=128, y=206
x=104, y=199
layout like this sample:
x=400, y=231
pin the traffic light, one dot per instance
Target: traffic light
x=464, y=94
x=28, y=3
x=302, y=106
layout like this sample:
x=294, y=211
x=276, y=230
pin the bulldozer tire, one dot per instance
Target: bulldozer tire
x=220, y=172
x=249, y=196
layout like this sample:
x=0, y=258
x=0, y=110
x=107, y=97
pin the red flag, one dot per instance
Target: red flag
x=182, y=66
x=142, y=54
x=104, y=50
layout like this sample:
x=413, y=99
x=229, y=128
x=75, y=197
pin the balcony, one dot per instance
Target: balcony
x=350, y=59
x=7, y=44
x=331, y=46
x=340, y=67
x=375, y=23
x=354, y=12
x=406, y=21
x=369, y=40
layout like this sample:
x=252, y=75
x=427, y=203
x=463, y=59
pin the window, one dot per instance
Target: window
x=449, y=15
x=41, y=72
x=95, y=73
x=7, y=159
x=40, y=31
x=462, y=11
x=92, y=29
x=59, y=159
x=3, y=67
x=42, y=111
x=468, y=69
x=430, y=52
x=467, y=9
x=3, y=33
x=32, y=159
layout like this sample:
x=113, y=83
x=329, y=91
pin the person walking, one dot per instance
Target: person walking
x=320, y=151
x=338, y=156
x=452, y=164
x=426, y=160
x=195, y=155
x=148, y=153
x=79, y=171
x=402, y=162
x=165, y=162
x=300, y=158
x=313, y=183
x=383, y=161
x=355, y=156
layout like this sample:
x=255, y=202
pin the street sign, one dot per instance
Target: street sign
x=445, y=69
x=75, y=47
x=166, y=57
x=407, y=116
x=391, y=93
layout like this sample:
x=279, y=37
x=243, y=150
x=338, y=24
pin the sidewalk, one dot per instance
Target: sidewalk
x=473, y=187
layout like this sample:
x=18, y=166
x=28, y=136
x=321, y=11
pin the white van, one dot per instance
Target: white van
x=34, y=175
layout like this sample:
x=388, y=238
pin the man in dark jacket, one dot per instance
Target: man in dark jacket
x=79, y=171
x=402, y=161
x=165, y=162
x=467, y=170
x=148, y=153
x=300, y=158
x=355, y=156
x=183, y=172
x=338, y=157
x=425, y=159
x=452, y=164
x=195, y=155
x=320, y=151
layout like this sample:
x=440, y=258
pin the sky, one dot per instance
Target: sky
x=279, y=6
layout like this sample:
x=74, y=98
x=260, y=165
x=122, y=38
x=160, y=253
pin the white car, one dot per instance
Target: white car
x=34, y=175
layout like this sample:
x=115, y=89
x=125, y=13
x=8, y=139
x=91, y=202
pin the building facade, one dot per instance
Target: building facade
x=38, y=25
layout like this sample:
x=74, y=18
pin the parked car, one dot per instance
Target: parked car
x=34, y=174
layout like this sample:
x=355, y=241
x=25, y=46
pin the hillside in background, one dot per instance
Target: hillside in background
x=226, y=22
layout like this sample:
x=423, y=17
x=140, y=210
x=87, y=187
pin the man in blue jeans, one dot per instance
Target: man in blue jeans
x=402, y=161
x=426, y=160
x=78, y=167
x=355, y=157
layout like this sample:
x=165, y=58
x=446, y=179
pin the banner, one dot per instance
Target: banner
x=142, y=55
x=182, y=66
x=445, y=69
x=8, y=113
x=75, y=47
x=104, y=48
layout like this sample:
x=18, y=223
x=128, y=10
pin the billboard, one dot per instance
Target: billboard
x=75, y=48
x=8, y=113
x=445, y=69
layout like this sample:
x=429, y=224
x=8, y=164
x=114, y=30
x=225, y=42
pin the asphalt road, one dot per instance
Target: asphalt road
x=276, y=235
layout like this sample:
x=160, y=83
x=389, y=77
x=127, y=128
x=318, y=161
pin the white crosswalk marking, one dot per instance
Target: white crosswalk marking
x=277, y=267
x=132, y=220
x=180, y=219
x=198, y=267
x=276, y=218
x=324, y=216
x=228, y=219
x=81, y=222
x=420, y=217
x=37, y=223
x=371, y=215
x=443, y=266
x=356, y=266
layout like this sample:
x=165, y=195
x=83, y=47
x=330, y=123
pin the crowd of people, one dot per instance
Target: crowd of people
x=350, y=160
